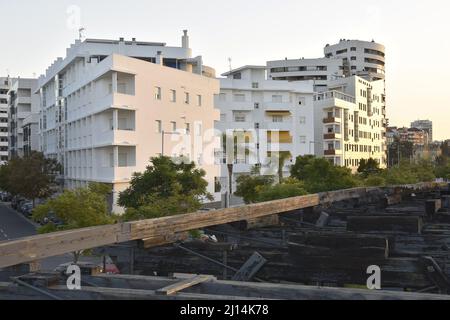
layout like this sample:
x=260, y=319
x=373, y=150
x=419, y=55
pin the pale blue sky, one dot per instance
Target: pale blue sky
x=416, y=35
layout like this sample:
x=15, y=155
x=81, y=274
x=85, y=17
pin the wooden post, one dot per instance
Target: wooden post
x=432, y=207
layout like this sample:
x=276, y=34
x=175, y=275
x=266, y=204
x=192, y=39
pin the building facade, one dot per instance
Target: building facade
x=268, y=120
x=5, y=84
x=347, y=58
x=425, y=125
x=320, y=71
x=23, y=103
x=350, y=122
x=110, y=106
x=361, y=58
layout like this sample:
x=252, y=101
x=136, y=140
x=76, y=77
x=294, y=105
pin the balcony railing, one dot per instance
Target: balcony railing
x=334, y=95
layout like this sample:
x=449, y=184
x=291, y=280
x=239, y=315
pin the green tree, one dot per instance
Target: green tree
x=32, y=176
x=367, y=167
x=75, y=209
x=174, y=187
x=287, y=189
x=319, y=175
x=248, y=185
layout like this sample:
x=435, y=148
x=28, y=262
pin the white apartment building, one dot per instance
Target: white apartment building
x=5, y=84
x=425, y=125
x=350, y=122
x=362, y=58
x=109, y=106
x=320, y=71
x=347, y=58
x=23, y=105
x=266, y=118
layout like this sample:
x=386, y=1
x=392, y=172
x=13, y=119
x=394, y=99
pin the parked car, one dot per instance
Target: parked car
x=5, y=196
x=16, y=202
x=27, y=209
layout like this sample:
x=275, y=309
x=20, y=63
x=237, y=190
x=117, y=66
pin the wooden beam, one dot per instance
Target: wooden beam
x=54, y=244
x=48, y=245
x=184, y=284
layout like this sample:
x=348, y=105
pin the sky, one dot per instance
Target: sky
x=415, y=33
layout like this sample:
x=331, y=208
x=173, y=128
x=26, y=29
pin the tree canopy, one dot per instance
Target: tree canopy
x=319, y=175
x=167, y=187
x=32, y=176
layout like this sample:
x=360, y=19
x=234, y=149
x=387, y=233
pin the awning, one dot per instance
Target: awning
x=279, y=113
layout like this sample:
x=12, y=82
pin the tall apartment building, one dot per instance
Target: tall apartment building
x=5, y=83
x=425, y=125
x=320, y=71
x=23, y=106
x=345, y=59
x=361, y=58
x=109, y=106
x=350, y=121
x=266, y=118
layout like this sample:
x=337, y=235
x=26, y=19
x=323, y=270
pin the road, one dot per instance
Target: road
x=14, y=225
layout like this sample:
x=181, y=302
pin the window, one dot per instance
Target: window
x=239, y=98
x=174, y=126
x=158, y=95
x=353, y=58
x=256, y=105
x=255, y=85
x=123, y=161
x=353, y=49
x=277, y=98
x=240, y=117
x=173, y=96
x=186, y=97
x=237, y=76
x=303, y=139
x=277, y=119
x=158, y=126
x=199, y=100
x=188, y=128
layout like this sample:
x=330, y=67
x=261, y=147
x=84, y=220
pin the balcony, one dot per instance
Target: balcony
x=114, y=174
x=334, y=95
x=116, y=137
x=331, y=120
x=332, y=136
x=331, y=152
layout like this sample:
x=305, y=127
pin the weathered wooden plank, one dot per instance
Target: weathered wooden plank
x=184, y=284
x=53, y=244
x=43, y=246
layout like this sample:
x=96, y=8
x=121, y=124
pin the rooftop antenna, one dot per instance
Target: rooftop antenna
x=81, y=33
x=229, y=62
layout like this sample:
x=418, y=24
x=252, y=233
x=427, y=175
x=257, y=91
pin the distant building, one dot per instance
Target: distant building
x=267, y=118
x=23, y=107
x=425, y=125
x=350, y=123
x=347, y=58
x=5, y=84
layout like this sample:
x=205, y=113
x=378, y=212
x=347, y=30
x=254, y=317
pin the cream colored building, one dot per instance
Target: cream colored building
x=350, y=122
x=267, y=119
x=104, y=117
